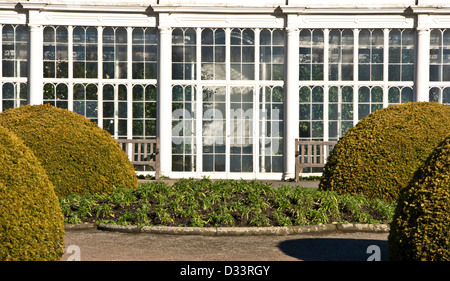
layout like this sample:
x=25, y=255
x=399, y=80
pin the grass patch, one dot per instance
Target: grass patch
x=237, y=203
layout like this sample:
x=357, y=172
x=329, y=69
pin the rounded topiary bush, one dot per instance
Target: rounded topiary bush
x=79, y=156
x=420, y=230
x=31, y=220
x=379, y=156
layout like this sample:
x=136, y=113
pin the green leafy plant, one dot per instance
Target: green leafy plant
x=204, y=202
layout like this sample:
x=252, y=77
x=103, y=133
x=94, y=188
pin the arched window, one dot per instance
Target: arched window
x=341, y=55
x=145, y=49
x=56, y=55
x=184, y=54
x=15, y=51
x=401, y=55
x=56, y=95
x=311, y=102
x=242, y=54
x=85, y=100
x=85, y=52
x=213, y=54
x=183, y=128
x=114, y=53
x=370, y=55
x=311, y=54
x=271, y=54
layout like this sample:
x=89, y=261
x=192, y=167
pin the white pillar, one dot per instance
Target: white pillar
x=291, y=115
x=165, y=99
x=35, y=65
x=422, y=76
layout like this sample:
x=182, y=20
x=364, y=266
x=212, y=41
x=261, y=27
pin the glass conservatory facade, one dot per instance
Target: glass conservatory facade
x=226, y=86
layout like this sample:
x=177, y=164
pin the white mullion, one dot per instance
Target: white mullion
x=227, y=55
x=70, y=68
x=129, y=84
x=355, y=74
x=326, y=87
x=198, y=129
x=256, y=88
x=198, y=108
x=386, y=68
x=198, y=51
x=100, y=74
x=116, y=110
x=227, y=130
x=227, y=99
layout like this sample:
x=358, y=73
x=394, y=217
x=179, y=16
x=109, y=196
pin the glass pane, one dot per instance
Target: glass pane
x=377, y=94
x=317, y=94
x=446, y=96
x=265, y=37
x=61, y=92
x=49, y=34
x=394, y=95
x=434, y=94
x=121, y=35
x=108, y=35
x=364, y=94
x=248, y=37
x=207, y=37
x=407, y=95
x=278, y=37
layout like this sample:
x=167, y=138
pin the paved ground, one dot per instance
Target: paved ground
x=97, y=245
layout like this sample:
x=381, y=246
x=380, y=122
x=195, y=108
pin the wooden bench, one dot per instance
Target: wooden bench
x=311, y=154
x=142, y=152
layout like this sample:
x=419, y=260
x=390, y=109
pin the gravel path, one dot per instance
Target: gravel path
x=97, y=245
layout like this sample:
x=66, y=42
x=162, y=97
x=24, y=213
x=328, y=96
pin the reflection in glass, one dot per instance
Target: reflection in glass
x=341, y=55
x=213, y=54
x=184, y=55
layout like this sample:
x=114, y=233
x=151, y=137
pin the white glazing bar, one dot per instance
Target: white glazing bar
x=386, y=68
x=257, y=89
x=70, y=71
x=129, y=84
x=100, y=74
x=355, y=74
x=198, y=110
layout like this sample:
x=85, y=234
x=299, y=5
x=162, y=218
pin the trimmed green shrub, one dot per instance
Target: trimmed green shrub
x=31, y=220
x=379, y=156
x=420, y=230
x=79, y=156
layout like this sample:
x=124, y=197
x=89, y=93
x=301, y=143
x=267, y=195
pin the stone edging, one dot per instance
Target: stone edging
x=237, y=231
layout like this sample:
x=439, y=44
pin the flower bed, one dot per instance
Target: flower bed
x=204, y=203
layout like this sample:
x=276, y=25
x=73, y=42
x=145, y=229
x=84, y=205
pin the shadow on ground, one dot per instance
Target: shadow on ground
x=334, y=249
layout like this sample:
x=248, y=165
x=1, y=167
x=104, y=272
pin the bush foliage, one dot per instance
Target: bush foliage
x=31, y=221
x=379, y=156
x=77, y=154
x=420, y=229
